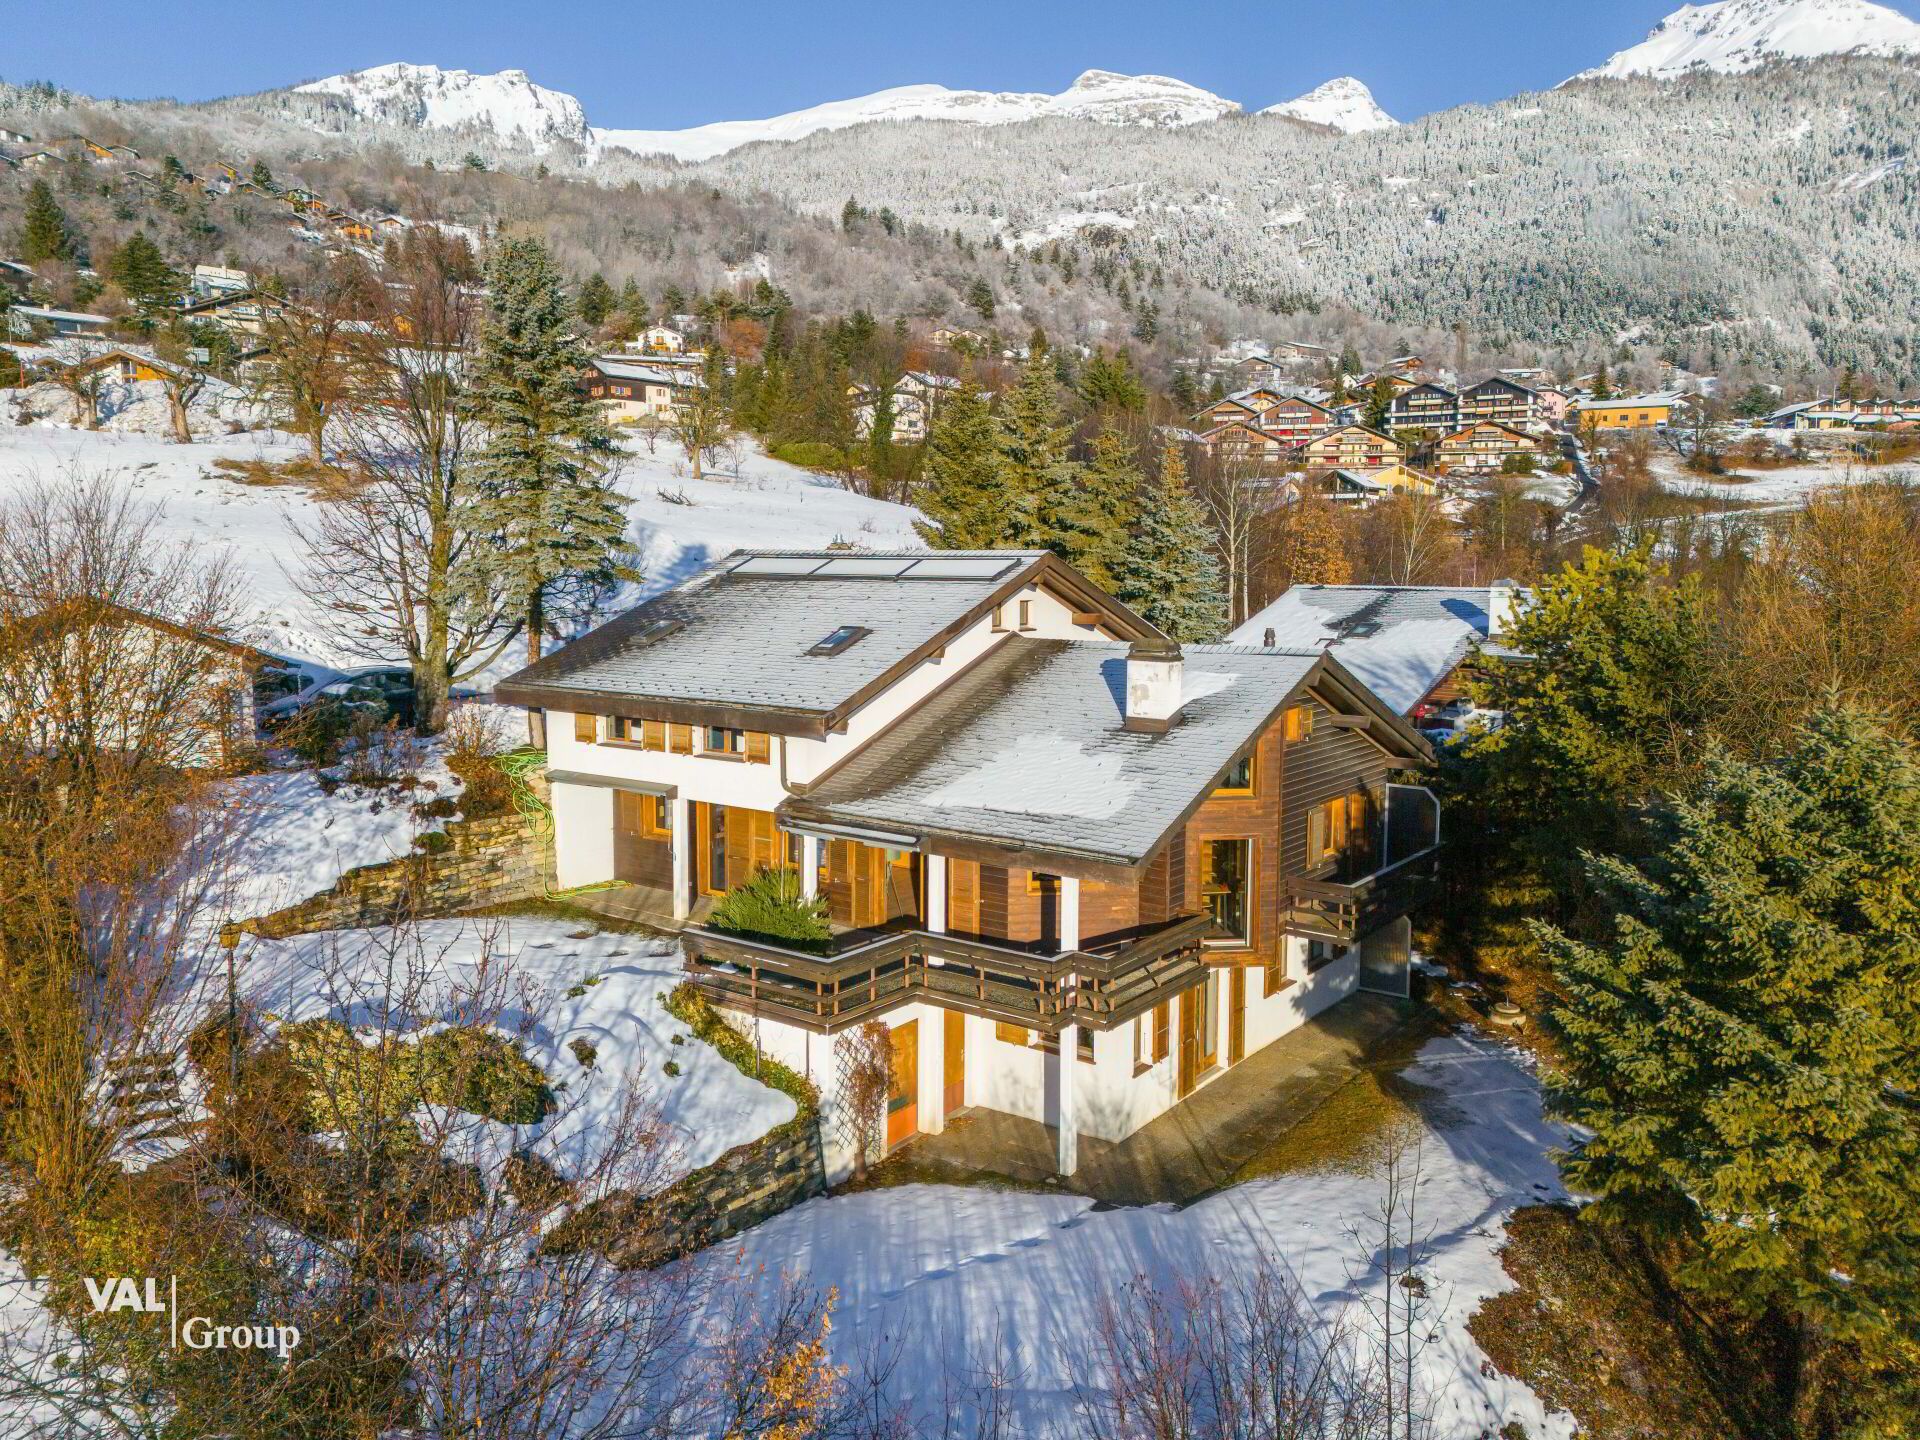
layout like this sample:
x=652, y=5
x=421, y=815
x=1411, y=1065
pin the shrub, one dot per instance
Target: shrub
x=379, y=753
x=687, y=1005
x=812, y=455
x=477, y=1070
x=476, y=737
x=583, y=1051
x=318, y=732
x=770, y=906
x=433, y=842
x=672, y=1067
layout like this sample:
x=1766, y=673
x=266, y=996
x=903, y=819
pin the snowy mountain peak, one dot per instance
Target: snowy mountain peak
x=1138, y=100
x=1735, y=36
x=1344, y=104
x=426, y=97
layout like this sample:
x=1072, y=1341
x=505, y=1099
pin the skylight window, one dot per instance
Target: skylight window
x=844, y=638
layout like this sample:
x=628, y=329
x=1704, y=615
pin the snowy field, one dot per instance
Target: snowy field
x=528, y=969
x=954, y=1272
x=1791, y=485
x=758, y=502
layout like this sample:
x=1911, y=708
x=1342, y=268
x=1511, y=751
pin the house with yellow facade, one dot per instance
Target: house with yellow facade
x=1628, y=412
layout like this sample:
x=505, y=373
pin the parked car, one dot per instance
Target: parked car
x=385, y=691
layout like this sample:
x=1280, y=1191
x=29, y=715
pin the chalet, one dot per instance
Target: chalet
x=1411, y=645
x=661, y=340
x=1298, y=352
x=38, y=159
x=1485, y=447
x=124, y=363
x=1396, y=384
x=1631, y=412
x=1241, y=441
x=14, y=137
x=1503, y=401
x=1077, y=871
x=1425, y=407
x=916, y=399
x=1257, y=369
x=1351, y=447
x=631, y=392
x=197, y=710
x=1855, y=414
x=1228, y=410
x=17, y=276
x=219, y=280
x=1554, y=403
x=1406, y=365
x=240, y=312
x=1294, y=418
x=1368, y=487
x=950, y=338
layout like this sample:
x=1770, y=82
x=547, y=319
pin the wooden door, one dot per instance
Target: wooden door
x=1236, y=1015
x=869, y=885
x=1187, y=1055
x=903, y=1111
x=628, y=824
x=954, y=1061
x=963, y=897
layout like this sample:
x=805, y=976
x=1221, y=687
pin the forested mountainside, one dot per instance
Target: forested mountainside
x=1772, y=214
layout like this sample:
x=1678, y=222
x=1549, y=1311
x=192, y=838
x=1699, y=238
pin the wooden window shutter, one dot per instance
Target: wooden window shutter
x=586, y=728
x=963, y=896
x=1316, y=834
x=1160, y=1031
x=1010, y=1034
x=653, y=734
x=680, y=739
x=759, y=747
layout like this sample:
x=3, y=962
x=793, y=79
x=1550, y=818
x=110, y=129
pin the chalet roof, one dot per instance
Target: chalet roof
x=1027, y=749
x=1480, y=425
x=618, y=369
x=737, y=635
x=1426, y=386
x=1502, y=382
x=1650, y=401
x=1335, y=434
x=1398, y=640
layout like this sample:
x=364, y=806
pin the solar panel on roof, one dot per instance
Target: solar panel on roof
x=781, y=565
x=962, y=568
x=865, y=567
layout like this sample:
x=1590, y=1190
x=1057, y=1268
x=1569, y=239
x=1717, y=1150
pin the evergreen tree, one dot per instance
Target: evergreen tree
x=980, y=299
x=1602, y=385
x=1168, y=571
x=1745, y=1050
x=1107, y=381
x=1186, y=395
x=1100, y=515
x=44, y=234
x=880, y=434
x=542, y=472
x=262, y=176
x=1379, y=405
x=140, y=270
x=1314, y=546
x=1038, y=472
x=595, y=301
x=962, y=487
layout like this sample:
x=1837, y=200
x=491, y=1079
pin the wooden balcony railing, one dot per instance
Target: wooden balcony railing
x=1347, y=910
x=1100, y=988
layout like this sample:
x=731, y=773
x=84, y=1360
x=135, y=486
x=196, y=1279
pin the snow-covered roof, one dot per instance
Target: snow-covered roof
x=1653, y=400
x=648, y=374
x=738, y=634
x=1027, y=748
x=1398, y=640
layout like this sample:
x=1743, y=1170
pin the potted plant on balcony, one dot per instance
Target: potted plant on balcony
x=770, y=906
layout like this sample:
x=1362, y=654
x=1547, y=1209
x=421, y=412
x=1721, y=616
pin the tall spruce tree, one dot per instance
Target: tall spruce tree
x=1099, y=517
x=542, y=474
x=962, y=487
x=1745, y=1051
x=141, y=270
x=1038, y=471
x=1168, y=571
x=44, y=234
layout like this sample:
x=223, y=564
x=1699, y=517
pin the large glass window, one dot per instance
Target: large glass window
x=1226, y=884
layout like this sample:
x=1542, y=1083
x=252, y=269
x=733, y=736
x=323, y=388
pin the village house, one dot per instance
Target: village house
x=1351, y=447
x=916, y=399
x=1293, y=417
x=1411, y=645
x=661, y=340
x=239, y=312
x=24, y=320
x=950, y=338
x=1554, y=402
x=1242, y=442
x=1425, y=407
x=1485, y=447
x=1369, y=487
x=631, y=392
x=1630, y=412
x=1077, y=871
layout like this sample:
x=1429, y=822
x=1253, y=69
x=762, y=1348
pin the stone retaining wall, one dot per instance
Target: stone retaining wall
x=750, y=1183
x=485, y=862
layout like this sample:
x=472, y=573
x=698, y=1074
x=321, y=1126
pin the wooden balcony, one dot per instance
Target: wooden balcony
x=1344, y=911
x=870, y=973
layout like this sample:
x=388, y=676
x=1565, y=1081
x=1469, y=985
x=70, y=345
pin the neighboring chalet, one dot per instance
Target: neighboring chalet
x=1368, y=487
x=630, y=391
x=1555, y=402
x=1243, y=442
x=1485, y=447
x=1078, y=872
x=916, y=397
x=1411, y=645
x=1631, y=412
x=950, y=338
x=661, y=340
x=1294, y=418
x=1351, y=447
x=240, y=312
x=23, y=320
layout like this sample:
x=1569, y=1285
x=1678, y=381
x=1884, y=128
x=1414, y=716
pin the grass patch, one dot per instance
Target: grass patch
x=1345, y=1130
x=1596, y=1328
x=326, y=482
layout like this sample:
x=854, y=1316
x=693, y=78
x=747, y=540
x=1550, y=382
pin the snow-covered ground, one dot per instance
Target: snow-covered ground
x=532, y=966
x=757, y=501
x=1792, y=484
x=955, y=1271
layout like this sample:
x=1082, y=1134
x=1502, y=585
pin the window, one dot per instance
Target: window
x=586, y=728
x=1273, y=978
x=646, y=734
x=1320, y=953
x=1026, y=615
x=1162, y=1030
x=1239, y=779
x=656, y=817
x=999, y=619
x=680, y=739
x=1083, y=1044
x=1225, y=884
x=720, y=740
x=1340, y=824
x=1010, y=1034
x=1298, y=723
x=843, y=638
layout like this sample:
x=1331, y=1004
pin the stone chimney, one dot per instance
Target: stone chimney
x=1156, y=678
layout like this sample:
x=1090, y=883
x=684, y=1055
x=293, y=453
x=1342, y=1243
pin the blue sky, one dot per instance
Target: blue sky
x=644, y=63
